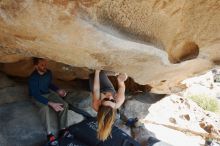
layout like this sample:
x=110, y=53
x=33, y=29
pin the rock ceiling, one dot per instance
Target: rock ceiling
x=156, y=42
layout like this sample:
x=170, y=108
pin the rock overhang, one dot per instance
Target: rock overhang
x=115, y=35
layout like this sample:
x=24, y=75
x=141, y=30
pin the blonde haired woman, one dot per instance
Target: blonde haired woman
x=105, y=100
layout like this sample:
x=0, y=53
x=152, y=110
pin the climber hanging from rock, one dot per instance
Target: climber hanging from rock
x=105, y=100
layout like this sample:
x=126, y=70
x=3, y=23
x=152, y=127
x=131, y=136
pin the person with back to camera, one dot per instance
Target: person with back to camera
x=105, y=100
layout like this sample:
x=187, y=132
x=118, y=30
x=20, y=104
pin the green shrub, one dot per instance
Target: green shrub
x=206, y=102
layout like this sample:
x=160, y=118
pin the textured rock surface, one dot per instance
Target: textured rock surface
x=24, y=68
x=11, y=91
x=114, y=35
x=64, y=72
x=186, y=114
x=20, y=125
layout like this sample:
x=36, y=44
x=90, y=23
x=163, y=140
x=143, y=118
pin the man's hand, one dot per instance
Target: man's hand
x=56, y=106
x=122, y=77
x=62, y=93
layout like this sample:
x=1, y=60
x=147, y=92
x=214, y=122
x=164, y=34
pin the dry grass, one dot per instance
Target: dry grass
x=206, y=102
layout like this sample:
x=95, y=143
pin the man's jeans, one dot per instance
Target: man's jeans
x=48, y=114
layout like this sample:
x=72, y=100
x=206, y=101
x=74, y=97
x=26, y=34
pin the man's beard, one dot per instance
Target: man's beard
x=41, y=71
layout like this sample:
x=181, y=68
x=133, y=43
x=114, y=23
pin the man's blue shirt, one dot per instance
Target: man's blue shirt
x=41, y=84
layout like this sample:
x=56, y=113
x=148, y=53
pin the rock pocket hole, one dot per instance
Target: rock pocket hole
x=184, y=51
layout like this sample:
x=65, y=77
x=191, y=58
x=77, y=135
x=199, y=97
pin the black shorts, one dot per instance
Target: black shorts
x=105, y=83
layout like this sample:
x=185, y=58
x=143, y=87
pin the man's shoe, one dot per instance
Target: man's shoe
x=52, y=140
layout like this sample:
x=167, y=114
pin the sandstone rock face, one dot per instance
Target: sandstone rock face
x=60, y=71
x=143, y=37
x=64, y=72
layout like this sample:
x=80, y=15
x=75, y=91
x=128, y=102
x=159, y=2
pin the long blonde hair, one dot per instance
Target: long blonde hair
x=106, y=118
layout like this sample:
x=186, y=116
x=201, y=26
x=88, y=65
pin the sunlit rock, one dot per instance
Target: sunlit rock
x=143, y=38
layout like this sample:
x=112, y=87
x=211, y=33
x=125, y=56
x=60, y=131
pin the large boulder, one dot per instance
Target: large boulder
x=143, y=38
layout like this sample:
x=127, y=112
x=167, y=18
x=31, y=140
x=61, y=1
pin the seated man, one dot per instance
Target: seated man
x=48, y=98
